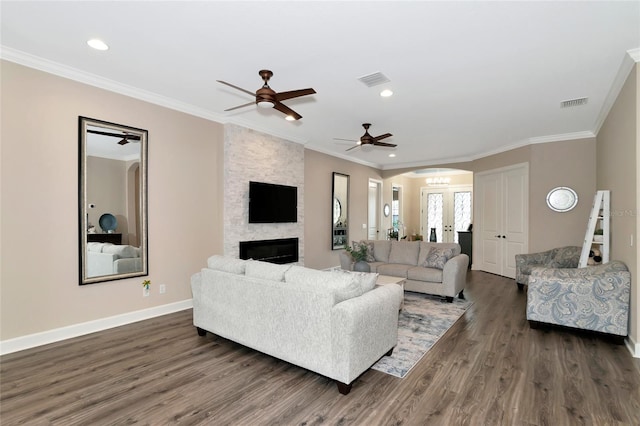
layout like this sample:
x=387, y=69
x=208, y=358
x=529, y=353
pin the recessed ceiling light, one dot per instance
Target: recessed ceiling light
x=98, y=44
x=392, y=155
x=290, y=118
x=386, y=93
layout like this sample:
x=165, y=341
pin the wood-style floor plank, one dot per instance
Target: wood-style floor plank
x=489, y=369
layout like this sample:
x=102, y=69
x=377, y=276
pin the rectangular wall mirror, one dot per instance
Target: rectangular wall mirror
x=112, y=201
x=340, y=211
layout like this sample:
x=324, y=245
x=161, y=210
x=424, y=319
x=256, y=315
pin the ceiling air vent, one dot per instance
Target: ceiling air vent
x=573, y=102
x=374, y=79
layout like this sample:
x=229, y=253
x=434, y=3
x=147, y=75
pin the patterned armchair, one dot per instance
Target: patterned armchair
x=594, y=298
x=563, y=257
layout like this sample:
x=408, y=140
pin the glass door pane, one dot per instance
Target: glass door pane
x=435, y=204
x=461, y=212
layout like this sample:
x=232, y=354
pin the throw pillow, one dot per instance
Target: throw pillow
x=437, y=257
x=357, y=244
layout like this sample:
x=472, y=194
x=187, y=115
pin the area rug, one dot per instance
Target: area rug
x=423, y=320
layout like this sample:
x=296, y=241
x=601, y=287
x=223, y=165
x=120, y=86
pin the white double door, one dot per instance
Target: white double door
x=448, y=210
x=502, y=219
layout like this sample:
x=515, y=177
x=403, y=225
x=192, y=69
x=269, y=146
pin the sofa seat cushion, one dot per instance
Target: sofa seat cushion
x=374, y=265
x=419, y=273
x=404, y=252
x=394, y=269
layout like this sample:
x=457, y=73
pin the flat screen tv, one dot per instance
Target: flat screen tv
x=271, y=203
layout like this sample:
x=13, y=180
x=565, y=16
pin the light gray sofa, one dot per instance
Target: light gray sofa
x=594, y=298
x=334, y=323
x=108, y=259
x=406, y=259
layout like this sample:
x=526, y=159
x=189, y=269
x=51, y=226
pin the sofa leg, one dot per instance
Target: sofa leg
x=449, y=299
x=343, y=388
x=461, y=295
x=535, y=324
x=201, y=331
x=391, y=351
x=520, y=286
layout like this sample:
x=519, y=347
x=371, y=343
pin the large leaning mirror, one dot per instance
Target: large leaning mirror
x=340, y=211
x=112, y=201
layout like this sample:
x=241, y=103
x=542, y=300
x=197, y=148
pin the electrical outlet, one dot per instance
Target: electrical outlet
x=145, y=292
x=162, y=288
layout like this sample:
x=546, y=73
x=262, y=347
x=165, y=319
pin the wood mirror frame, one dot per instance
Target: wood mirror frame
x=112, y=201
x=339, y=211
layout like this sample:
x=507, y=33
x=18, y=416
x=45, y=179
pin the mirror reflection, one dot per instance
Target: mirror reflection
x=339, y=225
x=113, y=201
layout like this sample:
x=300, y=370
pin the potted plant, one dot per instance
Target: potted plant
x=359, y=254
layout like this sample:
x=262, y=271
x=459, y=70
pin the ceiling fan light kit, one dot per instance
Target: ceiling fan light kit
x=266, y=97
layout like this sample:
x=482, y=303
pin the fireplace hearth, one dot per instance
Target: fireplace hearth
x=280, y=251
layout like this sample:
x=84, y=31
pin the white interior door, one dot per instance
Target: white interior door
x=502, y=216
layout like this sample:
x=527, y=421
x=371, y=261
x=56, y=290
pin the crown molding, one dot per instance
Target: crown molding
x=630, y=59
x=94, y=80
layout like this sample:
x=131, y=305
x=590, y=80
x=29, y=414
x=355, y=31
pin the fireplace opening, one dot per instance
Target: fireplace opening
x=280, y=251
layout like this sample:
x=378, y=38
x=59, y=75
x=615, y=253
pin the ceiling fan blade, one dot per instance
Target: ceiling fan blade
x=348, y=140
x=376, y=143
x=286, y=110
x=236, y=87
x=115, y=135
x=354, y=147
x=123, y=141
x=283, y=96
x=241, y=106
x=386, y=135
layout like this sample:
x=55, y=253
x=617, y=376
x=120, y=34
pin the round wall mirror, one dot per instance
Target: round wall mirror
x=562, y=199
x=386, y=210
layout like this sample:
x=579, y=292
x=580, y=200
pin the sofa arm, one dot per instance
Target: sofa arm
x=454, y=274
x=346, y=260
x=593, y=298
x=363, y=329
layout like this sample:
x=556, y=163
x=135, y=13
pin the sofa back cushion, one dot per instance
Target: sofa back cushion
x=340, y=285
x=381, y=250
x=266, y=270
x=425, y=247
x=227, y=264
x=404, y=252
x=121, y=251
x=565, y=257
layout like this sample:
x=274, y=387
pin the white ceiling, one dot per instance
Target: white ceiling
x=469, y=78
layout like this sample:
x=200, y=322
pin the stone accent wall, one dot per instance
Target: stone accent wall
x=253, y=156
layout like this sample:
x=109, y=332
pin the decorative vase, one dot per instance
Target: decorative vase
x=361, y=266
x=432, y=236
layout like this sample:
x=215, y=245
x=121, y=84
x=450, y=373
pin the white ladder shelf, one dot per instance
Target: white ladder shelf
x=600, y=215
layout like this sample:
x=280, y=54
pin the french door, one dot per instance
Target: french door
x=448, y=210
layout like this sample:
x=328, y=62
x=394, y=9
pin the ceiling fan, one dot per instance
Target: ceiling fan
x=268, y=98
x=367, y=139
x=126, y=137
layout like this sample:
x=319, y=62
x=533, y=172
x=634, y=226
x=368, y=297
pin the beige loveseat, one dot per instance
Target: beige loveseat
x=424, y=271
x=334, y=323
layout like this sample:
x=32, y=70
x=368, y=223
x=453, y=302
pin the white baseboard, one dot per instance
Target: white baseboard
x=68, y=332
x=634, y=347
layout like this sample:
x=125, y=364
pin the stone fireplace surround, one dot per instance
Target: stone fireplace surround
x=252, y=155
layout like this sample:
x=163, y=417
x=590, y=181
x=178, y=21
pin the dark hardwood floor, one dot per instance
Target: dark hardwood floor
x=489, y=369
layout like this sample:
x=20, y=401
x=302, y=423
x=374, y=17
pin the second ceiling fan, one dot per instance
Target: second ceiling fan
x=268, y=98
x=367, y=139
